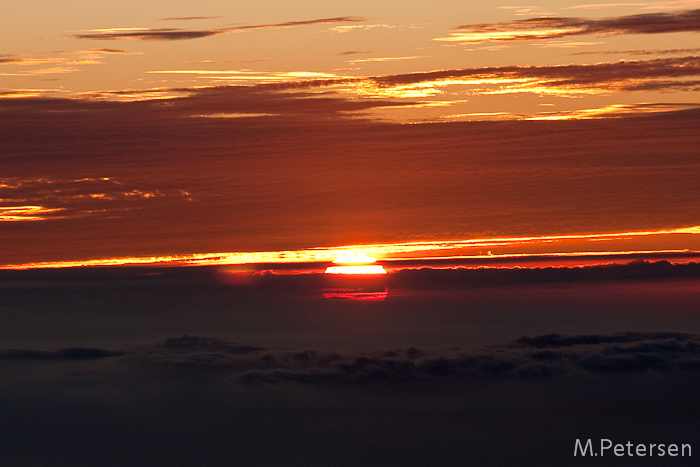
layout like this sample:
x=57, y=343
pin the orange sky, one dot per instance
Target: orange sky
x=148, y=129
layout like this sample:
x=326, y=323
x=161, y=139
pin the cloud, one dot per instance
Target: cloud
x=173, y=34
x=72, y=353
x=615, y=111
x=363, y=27
x=27, y=213
x=558, y=79
x=384, y=59
x=641, y=52
x=57, y=198
x=545, y=356
x=189, y=18
x=65, y=62
x=555, y=27
x=354, y=52
x=646, y=5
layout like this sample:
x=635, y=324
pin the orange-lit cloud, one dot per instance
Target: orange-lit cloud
x=77, y=57
x=557, y=79
x=383, y=59
x=174, y=34
x=616, y=110
x=669, y=74
x=546, y=27
x=26, y=213
x=64, y=62
x=73, y=198
x=26, y=93
x=363, y=27
x=234, y=76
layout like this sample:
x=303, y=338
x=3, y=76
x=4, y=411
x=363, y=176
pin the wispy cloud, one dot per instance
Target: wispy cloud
x=65, y=62
x=363, y=27
x=26, y=93
x=645, y=5
x=555, y=27
x=354, y=52
x=614, y=111
x=54, y=198
x=189, y=18
x=641, y=52
x=384, y=59
x=174, y=34
x=251, y=77
x=44, y=71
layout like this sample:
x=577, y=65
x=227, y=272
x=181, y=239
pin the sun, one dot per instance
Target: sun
x=358, y=264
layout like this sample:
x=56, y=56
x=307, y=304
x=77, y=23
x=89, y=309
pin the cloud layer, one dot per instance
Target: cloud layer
x=551, y=355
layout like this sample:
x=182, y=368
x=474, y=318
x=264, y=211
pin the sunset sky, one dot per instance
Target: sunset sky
x=488, y=215
x=152, y=128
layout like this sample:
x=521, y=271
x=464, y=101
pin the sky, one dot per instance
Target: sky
x=150, y=129
x=449, y=133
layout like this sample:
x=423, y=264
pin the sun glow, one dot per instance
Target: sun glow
x=684, y=240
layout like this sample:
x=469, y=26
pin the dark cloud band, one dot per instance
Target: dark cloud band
x=556, y=27
x=540, y=356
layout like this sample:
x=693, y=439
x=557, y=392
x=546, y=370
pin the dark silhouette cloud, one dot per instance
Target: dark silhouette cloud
x=641, y=52
x=71, y=353
x=174, y=34
x=189, y=18
x=555, y=27
x=527, y=357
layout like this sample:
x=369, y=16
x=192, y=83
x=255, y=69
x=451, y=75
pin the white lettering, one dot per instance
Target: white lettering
x=628, y=448
x=642, y=450
x=588, y=449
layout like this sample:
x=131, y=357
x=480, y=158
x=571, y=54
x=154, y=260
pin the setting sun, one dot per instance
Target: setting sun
x=360, y=269
x=355, y=264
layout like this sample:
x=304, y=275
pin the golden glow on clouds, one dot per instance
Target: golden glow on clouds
x=66, y=62
x=477, y=37
x=611, y=111
x=253, y=77
x=555, y=245
x=358, y=27
x=25, y=213
x=73, y=198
